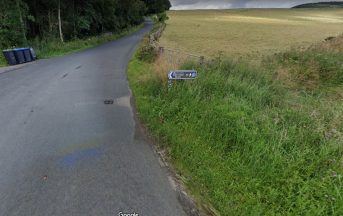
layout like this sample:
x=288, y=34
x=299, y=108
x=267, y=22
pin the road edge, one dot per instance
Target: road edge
x=188, y=203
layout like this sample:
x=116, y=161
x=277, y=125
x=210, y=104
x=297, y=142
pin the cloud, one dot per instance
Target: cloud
x=224, y=4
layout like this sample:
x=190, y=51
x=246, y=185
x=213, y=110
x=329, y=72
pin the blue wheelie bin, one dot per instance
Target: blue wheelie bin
x=27, y=54
x=19, y=55
x=33, y=54
x=10, y=57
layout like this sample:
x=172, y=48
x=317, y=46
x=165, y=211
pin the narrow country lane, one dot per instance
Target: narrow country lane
x=64, y=152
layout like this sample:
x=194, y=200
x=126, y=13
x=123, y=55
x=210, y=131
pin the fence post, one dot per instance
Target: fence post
x=161, y=50
x=202, y=60
x=151, y=39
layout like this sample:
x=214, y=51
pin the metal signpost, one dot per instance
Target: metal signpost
x=181, y=75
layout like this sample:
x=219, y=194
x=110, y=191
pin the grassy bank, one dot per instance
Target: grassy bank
x=54, y=47
x=247, y=141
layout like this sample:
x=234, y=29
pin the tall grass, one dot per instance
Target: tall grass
x=244, y=141
x=317, y=67
x=2, y=60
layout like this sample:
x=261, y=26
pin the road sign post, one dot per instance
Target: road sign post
x=181, y=75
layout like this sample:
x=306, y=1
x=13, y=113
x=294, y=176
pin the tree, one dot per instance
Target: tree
x=12, y=23
x=60, y=21
x=157, y=6
x=22, y=20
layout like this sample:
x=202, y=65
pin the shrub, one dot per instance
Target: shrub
x=147, y=52
x=162, y=17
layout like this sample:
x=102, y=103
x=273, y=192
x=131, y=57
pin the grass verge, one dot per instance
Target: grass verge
x=244, y=140
x=2, y=61
x=52, y=48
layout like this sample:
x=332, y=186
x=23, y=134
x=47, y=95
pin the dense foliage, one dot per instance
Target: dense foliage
x=157, y=6
x=22, y=20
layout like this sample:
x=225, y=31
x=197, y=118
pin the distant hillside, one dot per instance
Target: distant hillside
x=333, y=4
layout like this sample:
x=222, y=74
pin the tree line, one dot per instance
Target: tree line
x=24, y=20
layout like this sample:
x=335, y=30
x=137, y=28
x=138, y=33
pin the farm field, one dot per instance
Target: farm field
x=250, y=33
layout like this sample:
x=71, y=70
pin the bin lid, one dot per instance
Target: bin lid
x=20, y=49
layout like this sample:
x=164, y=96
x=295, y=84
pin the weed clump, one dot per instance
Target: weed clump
x=147, y=52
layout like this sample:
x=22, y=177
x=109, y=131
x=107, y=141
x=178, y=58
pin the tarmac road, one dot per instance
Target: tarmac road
x=64, y=152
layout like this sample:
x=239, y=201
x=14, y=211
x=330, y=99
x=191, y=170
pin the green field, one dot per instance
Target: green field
x=250, y=33
x=251, y=139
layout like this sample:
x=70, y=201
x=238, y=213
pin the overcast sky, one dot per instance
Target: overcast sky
x=221, y=4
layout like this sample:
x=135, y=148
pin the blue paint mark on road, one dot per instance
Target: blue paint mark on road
x=71, y=159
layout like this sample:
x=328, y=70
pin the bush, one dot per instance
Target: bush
x=147, y=52
x=162, y=17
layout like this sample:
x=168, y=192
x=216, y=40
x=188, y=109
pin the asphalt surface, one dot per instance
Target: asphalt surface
x=64, y=152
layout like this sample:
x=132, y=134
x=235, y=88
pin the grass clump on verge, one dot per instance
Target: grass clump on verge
x=319, y=66
x=246, y=142
x=147, y=52
x=2, y=60
x=54, y=47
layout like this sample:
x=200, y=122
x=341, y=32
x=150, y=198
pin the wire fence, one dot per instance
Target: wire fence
x=176, y=57
x=172, y=58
